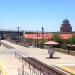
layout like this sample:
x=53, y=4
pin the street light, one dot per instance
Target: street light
x=42, y=35
x=42, y=32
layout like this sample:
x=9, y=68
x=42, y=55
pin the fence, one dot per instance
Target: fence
x=34, y=66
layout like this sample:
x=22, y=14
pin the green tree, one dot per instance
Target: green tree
x=71, y=40
x=57, y=38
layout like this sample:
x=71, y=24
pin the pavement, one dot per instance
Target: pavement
x=61, y=61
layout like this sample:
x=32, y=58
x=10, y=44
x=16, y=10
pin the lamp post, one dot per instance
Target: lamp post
x=42, y=35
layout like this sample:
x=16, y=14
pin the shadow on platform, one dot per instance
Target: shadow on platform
x=53, y=58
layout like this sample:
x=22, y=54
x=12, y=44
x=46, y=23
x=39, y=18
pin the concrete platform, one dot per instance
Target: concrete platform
x=61, y=61
x=8, y=62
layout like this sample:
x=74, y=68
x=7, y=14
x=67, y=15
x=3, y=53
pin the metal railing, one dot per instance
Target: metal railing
x=35, y=67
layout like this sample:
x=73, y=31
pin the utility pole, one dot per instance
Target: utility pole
x=18, y=34
x=1, y=34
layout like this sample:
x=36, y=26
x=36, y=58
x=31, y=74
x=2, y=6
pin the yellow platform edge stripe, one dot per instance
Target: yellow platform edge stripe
x=3, y=68
x=67, y=69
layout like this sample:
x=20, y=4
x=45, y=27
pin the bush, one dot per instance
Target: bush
x=41, y=42
x=58, y=46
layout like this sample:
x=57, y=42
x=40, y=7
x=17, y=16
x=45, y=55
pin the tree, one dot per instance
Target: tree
x=71, y=40
x=57, y=38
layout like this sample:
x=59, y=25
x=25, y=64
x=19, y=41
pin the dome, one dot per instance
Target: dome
x=66, y=21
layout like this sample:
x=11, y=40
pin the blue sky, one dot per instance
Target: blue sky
x=33, y=14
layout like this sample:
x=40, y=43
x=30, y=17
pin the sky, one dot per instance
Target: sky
x=33, y=14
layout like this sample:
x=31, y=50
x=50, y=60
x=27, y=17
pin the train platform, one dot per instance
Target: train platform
x=62, y=62
x=8, y=63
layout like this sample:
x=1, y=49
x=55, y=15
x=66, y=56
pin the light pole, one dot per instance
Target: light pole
x=42, y=35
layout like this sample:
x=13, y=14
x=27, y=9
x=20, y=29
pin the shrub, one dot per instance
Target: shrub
x=41, y=42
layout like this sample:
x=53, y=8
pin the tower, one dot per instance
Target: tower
x=66, y=26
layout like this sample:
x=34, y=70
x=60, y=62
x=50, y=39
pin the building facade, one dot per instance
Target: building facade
x=66, y=26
